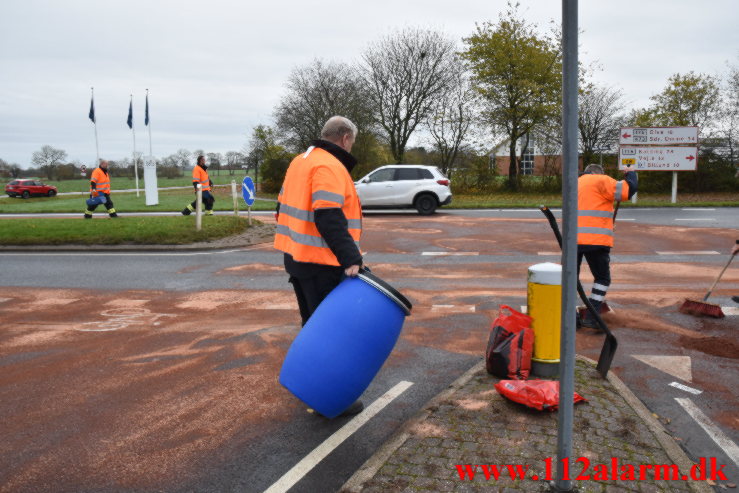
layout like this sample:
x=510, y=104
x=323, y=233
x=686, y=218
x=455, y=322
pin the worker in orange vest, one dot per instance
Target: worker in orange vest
x=200, y=177
x=319, y=219
x=100, y=191
x=596, y=193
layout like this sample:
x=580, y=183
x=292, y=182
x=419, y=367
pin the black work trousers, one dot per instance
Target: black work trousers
x=599, y=261
x=311, y=290
x=208, y=200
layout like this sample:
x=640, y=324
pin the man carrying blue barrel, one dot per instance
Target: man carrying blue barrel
x=319, y=219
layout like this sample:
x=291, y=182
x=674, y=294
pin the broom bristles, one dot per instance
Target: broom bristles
x=692, y=307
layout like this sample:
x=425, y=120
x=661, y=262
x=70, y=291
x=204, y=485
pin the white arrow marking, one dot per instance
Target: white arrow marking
x=248, y=190
x=677, y=366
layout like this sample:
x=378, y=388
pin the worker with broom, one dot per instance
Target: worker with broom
x=596, y=193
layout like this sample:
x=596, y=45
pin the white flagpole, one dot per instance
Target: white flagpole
x=151, y=154
x=95, y=124
x=133, y=132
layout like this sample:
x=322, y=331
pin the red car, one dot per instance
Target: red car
x=28, y=188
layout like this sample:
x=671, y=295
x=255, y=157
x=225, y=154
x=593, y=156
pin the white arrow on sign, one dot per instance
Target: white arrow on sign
x=248, y=191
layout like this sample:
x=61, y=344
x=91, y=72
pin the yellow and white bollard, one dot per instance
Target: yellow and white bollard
x=544, y=302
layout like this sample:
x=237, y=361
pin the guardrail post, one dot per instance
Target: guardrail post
x=199, y=208
x=233, y=194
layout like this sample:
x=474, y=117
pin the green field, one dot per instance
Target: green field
x=118, y=231
x=169, y=200
x=509, y=200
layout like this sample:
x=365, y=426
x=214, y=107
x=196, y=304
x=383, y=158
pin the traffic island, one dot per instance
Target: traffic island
x=470, y=438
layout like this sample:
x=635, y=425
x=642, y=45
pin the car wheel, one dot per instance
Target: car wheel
x=25, y=194
x=51, y=193
x=426, y=205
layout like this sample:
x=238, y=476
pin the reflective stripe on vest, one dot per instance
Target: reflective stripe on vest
x=596, y=194
x=315, y=180
x=102, y=182
x=199, y=175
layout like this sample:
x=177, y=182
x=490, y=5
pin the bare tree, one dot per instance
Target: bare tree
x=234, y=159
x=215, y=159
x=599, y=117
x=47, y=159
x=405, y=73
x=182, y=158
x=729, y=112
x=451, y=118
x=316, y=92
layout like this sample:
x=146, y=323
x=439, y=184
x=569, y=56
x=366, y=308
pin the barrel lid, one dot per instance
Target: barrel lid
x=387, y=290
x=546, y=273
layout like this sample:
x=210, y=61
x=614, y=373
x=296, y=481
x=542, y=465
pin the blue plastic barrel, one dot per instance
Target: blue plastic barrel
x=344, y=343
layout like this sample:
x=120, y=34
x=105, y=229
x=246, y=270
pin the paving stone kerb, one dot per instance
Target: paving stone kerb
x=470, y=423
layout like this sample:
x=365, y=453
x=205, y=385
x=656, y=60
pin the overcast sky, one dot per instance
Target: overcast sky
x=217, y=68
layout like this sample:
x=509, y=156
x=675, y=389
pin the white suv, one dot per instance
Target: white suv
x=405, y=185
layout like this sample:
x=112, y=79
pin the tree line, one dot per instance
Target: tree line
x=498, y=91
x=501, y=86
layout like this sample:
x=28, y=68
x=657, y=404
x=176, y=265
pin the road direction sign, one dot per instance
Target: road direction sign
x=658, y=135
x=658, y=158
x=248, y=191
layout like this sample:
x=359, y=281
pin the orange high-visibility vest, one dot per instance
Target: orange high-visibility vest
x=315, y=180
x=102, y=182
x=199, y=175
x=595, y=196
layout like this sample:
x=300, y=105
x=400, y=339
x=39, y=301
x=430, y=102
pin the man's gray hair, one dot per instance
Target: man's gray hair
x=594, y=169
x=337, y=127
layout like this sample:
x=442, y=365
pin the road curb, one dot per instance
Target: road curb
x=371, y=466
x=668, y=443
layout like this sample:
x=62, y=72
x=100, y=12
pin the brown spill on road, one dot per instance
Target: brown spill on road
x=135, y=389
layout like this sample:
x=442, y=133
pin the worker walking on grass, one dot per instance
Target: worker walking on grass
x=319, y=219
x=200, y=177
x=596, y=193
x=100, y=191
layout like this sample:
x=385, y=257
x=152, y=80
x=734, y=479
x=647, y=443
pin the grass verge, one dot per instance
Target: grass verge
x=169, y=200
x=118, y=231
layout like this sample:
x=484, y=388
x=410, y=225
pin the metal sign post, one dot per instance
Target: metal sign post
x=569, y=242
x=249, y=192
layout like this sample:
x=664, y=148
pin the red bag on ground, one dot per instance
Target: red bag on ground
x=510, y=345
x=539, y=394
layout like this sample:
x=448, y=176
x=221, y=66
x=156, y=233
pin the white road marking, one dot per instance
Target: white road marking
x=694, y=219
x=730, y=310
x=443, y=254
x=524, y=309
x=453, y=308
x=277, y=306
x=130, y=254
x=291, y=477
x=713, y=431
x=686, y=388
x=677, y=366
x=557, y=254
x=697, y=209
x=690, y=252
x=3, y=300
x=625, y=219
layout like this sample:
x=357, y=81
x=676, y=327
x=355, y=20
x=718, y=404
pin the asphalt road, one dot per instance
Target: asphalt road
x=157, y=371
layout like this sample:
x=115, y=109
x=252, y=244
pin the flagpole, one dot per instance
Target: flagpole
x=95, y=124
x=148, y=124
x=135, y=165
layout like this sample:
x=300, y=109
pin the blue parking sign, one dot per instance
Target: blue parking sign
x=248, y=191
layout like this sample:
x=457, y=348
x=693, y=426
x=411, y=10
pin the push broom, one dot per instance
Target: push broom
x=692, y=307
